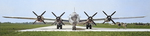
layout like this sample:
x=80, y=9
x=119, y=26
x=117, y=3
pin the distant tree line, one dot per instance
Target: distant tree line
x=139, y=23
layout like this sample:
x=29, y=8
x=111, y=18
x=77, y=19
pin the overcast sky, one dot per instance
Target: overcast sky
x=123, y=8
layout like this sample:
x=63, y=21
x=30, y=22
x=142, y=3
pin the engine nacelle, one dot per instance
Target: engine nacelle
x=39, y=19
x=106, y=20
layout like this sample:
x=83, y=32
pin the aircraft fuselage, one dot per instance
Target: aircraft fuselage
x=74, y=20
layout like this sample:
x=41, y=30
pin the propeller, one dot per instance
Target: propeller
x=39, y=17
x=90, y=18
x=109, y=17
x=58, y=18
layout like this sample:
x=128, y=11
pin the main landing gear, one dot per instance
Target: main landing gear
x=59, y=26
x=88, y=26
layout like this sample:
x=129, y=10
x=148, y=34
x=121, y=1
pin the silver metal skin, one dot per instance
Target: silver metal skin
x=74, y=20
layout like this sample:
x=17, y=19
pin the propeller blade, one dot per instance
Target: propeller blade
x=94, y=23
x=86, y=14
x=94, y=14
x=54, y=23
x=62, y=23
x=113, y=21
x=62, y=14
x=105, y=13
x=34, y=21
x=54, y=14
x=43, y=21
x=43, y=13
x=34, y=13
x=103, y=22
x=113, y=13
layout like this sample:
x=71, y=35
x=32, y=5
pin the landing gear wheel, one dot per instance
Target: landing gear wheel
x=60, y=26
x=87, y=26
x=74, y=28
x=57, y=26
x=90, y=26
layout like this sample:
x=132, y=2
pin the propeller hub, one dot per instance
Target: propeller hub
x=39, y=18
x=108, y=18
x=89, y=18
x=58, y=18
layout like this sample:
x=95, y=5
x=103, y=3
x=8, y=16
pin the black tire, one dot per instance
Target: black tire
x=90, y=26
x=87, y=26
x=74, y=28
x=60, y=26
x=57, y=26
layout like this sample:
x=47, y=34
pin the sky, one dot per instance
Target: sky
x=123, y=8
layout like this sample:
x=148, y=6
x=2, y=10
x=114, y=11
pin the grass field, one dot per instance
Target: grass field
x=128, y=26
x=90, y=33
x=6, y=29
x=10, y=30
x=106, y=25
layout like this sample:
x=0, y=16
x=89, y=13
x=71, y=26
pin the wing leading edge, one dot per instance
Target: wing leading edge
x=81, y=20
x=99, y=19
x=20, y=17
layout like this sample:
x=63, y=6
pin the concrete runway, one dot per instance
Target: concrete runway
x=79, y=28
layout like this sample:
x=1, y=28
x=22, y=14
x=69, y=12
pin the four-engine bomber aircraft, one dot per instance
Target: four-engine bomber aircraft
x=74, y=19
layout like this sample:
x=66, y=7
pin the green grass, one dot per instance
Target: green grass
x=84, y=33
x=6, y=29
x=10, y=30
x=116, y=26
x=106, y=25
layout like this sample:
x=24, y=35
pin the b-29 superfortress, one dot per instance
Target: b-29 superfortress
x=74, y=19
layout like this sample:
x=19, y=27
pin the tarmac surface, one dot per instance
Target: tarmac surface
x=79, y=28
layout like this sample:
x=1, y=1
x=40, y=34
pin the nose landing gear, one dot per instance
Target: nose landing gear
x=73, y=28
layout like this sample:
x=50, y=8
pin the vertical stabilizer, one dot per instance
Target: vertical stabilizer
x=74, y=9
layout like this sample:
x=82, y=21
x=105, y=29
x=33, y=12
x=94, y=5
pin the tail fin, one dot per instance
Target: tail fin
x=74, y=9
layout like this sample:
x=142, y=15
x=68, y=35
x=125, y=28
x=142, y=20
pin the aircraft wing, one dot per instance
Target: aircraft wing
x=99, y=19
x=20, y=17
x=82, y=20
x=27, y=18
x=129, y=17
x=66, y=20
x=51, y=19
